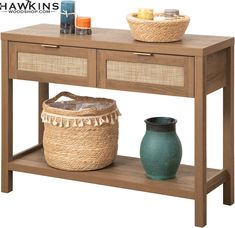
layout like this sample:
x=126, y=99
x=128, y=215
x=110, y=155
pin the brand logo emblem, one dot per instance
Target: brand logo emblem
x=28, y=6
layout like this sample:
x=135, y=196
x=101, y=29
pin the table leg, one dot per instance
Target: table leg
x=7, y=121
x=200, y=143
x=43, y=94
x=228, y=125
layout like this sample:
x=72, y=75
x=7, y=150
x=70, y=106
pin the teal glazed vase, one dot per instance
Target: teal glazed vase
x=161, y=149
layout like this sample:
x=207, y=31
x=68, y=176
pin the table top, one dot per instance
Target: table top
x=115, y=39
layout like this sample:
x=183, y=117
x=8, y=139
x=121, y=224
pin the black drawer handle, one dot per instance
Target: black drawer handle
x=143, y=54
x=50, y=46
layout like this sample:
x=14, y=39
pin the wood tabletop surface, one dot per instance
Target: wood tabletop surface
x=115, y=39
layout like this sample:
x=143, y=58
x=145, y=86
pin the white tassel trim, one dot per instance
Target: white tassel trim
x=88, y=122
x=75, y=123
x=101, y=121
x=67, y=124
x=106, y=119
x=54, y=123
x=69, y=121
x=112, y=120
x=81, y=124
x=61, y=123
x=96, y=123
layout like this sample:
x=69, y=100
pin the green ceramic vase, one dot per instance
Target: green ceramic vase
x=161, y=149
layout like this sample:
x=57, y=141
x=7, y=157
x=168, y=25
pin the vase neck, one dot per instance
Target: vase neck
x=161, y=128
x=161, y=124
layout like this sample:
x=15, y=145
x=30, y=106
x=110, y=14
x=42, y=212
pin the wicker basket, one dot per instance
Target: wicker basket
x=79, y=139
x=157, y=31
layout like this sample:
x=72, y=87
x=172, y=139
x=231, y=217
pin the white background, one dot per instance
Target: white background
x=39, y=201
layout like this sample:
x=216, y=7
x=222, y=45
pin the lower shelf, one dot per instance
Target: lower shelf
x=125, y=172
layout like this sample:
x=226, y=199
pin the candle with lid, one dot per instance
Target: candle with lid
x=168, y=14
x=67, y=17
x=171, y=13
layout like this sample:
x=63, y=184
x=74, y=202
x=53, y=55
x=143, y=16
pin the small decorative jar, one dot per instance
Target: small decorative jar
x=67, y=17
x=171, y=13
x=161, y=149
x=83, y=26
x=147, y=14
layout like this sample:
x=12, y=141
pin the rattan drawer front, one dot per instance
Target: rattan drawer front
x=52, y=63
x=146, y=72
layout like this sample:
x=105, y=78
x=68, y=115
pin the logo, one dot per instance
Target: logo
x=29, y=7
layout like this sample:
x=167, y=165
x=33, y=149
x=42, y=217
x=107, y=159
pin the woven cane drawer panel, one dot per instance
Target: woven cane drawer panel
x=52, y=64
x=145, y=73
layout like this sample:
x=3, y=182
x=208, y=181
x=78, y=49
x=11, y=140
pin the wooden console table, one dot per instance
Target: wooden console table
x=193, y=67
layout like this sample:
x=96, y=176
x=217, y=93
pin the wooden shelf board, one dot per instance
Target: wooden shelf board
x=125, y=172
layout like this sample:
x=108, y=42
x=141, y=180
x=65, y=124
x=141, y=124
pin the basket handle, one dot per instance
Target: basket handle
x=63, y=94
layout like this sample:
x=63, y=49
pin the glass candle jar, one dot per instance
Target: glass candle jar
x=171, y=13
x=83, y=26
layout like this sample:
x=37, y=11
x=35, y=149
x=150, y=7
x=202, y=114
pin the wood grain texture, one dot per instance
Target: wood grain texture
x=217, y=180
x=27, y=151
x=200, y=142
x=45, y=76
x=114, y=39
x=125, y=172
x=216, y=71
x=228, y=129
x=7, y=121
x=43, y=94
x=92, y=68
x=184, y=63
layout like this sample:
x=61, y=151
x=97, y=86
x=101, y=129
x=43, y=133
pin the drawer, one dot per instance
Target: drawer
x=52, y=63
x=146, y=72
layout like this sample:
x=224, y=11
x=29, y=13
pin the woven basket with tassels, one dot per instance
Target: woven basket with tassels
x=80, y=134
x=158, y=31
